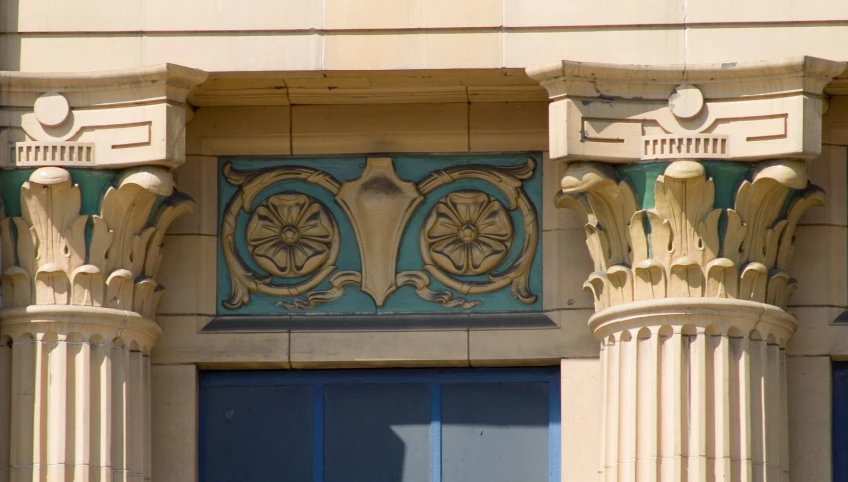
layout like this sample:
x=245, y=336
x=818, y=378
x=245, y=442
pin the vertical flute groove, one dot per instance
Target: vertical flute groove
x=5, y=407
x=627, y=402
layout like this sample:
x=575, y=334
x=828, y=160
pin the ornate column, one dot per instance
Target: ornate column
x=87, y=194
x=690, y=219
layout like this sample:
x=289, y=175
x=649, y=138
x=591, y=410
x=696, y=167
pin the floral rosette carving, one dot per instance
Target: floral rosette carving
x=468, y=233
x=291, y=235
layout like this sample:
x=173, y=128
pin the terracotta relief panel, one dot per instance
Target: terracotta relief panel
x=448, y=235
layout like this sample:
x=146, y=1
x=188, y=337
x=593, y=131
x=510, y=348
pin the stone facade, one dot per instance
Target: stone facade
x=686, y=141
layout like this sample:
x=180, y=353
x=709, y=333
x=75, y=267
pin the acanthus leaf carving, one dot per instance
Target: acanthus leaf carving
x=677, y=248
x=63, y=257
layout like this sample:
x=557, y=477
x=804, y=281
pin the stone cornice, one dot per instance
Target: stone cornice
x=629, y=113
x=111, y=119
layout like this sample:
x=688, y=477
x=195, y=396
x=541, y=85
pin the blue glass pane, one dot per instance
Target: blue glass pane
x=257, y=434
x=840, y=421
x=495, y=432
x=376, y=433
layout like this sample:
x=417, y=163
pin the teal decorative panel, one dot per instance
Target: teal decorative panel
x=435, y=234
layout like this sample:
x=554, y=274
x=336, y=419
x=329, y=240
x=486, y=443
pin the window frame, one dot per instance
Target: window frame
x=434, y=378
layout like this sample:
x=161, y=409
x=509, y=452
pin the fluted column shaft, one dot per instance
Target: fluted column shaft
x=76, y=328
x=79, y=404
x=694, y=397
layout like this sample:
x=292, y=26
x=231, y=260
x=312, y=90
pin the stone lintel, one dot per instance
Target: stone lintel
x=106, y=119
x=631, y=113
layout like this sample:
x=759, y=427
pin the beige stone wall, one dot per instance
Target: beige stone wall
x=309, y=35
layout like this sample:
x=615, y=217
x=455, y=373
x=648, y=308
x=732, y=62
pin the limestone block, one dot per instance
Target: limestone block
x=481, y=49
x=759, y=11
x=518, y=126
x=181, y=343
x=756, y=42
x=193, y=15
x=376, y=349
x=391, y=14
x=341, y=129
x=198, y=178
x=581, y=383
x=510, y=347
x=821, y=266
x=552, y=218
x=222, y=53
x=55, y=53
x=83, y=16
x=830, y=171
x=244, y=131
x=527, y=47
x=835, y=121
x=565, y=261
x=817, y=333
x=174, y=414
x=188, y=271
x=548, y=13
x=808, y=386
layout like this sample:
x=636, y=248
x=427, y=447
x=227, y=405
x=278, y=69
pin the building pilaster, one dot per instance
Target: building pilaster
x=691, y=183
x=88, y=194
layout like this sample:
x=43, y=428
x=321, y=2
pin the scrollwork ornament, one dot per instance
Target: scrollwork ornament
x=509, y=181
x=289, y=235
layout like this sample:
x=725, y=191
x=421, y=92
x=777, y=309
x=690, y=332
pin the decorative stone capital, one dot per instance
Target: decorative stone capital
x=687, y=237
x=112, y=119
x=630, y=113
x=86, y=243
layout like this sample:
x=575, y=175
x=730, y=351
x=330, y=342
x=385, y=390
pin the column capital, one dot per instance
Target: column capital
x=632, y=113
x=108, y=119
x=84, y=238
x=715, y=231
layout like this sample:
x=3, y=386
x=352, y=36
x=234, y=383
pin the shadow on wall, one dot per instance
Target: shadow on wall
x=10, y=41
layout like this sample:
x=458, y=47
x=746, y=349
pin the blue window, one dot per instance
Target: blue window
x=416, y=425
x=840, y=421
